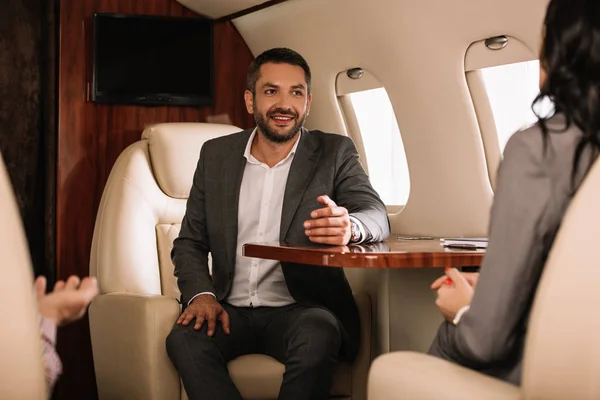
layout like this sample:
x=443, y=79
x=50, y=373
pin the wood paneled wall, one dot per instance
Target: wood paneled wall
x=27, y=120
x=91, y=137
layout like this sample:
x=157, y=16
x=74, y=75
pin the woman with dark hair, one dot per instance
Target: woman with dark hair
x=486, y=316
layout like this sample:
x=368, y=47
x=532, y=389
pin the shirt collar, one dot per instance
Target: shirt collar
x=253, y=160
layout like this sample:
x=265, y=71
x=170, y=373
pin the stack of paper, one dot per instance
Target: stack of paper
x=478, y=243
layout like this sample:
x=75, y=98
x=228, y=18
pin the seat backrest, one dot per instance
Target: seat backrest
x=562, y=354
x=142, y=206
x=21, y=368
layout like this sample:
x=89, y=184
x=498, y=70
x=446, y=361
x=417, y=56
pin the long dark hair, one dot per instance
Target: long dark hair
x=570, y=56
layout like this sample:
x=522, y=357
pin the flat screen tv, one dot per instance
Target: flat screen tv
x=148, y=60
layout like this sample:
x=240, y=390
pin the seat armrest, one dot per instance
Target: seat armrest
x=415, y=376
x=128, y=333
x=360, y=368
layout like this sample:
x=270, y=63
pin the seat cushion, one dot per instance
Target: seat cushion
x=258, y=377
x=416, y=376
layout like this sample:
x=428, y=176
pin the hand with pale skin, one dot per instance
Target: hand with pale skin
x=205, y=308
x=453, y=293
x=470, y=277
x=329, y=225
x=68, y=301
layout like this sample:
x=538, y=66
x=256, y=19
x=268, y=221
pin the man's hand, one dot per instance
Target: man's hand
x=205, y=308
x=68, y=301
x=329, y=225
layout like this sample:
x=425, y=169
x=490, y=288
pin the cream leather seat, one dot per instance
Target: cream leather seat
x=562, y=351
x=139, y=217
x=21, y=368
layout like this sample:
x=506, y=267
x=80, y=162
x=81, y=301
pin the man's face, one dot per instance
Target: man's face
x=281, y=102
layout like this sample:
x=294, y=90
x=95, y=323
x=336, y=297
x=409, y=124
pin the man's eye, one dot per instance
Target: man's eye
x=270, y=91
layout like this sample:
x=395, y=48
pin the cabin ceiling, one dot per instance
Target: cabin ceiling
x=219, y=8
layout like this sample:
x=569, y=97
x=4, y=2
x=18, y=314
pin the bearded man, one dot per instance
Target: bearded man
x=276, y=182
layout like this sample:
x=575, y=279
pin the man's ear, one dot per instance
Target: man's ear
x=308, y=101
x=249, y=99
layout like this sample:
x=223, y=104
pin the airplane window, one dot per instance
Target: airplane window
x=511, y=90
x=384, y=151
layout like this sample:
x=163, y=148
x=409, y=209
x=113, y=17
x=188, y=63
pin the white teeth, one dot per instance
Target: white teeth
x=283, y=118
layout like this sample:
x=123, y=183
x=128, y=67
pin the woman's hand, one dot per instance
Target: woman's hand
x=453, y=294
x=471, y=277
x=68, y=301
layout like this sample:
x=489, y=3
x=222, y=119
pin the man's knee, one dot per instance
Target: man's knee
x=176, y=341
x=318, y=336
x=183, y=341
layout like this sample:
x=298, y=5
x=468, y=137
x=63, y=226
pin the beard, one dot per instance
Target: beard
x=278, y=136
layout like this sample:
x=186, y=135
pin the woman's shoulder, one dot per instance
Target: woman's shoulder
x=530, y=145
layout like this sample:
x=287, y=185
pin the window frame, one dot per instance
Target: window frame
x=345, y=87
x=478, y=57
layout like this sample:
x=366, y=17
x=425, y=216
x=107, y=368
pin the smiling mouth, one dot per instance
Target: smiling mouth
x=282, y=119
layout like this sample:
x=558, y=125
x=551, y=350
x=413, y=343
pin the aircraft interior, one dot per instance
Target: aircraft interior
x=100, y=147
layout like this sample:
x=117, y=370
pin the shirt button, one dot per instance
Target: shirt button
x=260, y=233
x=253, y=293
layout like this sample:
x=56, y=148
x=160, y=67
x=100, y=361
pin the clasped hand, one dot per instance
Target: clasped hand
x=329, y=225
x=454, y=291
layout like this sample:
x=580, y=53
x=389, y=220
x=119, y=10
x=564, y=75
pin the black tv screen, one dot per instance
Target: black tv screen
x=149, y=60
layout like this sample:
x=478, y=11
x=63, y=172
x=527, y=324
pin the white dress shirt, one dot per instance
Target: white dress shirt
x=259, y=282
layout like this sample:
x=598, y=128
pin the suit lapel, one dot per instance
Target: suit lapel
x=232, y=174
x=301, y=171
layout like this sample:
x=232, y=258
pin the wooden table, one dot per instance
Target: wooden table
x=393, y=253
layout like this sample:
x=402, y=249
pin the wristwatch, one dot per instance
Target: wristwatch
x=355, y=232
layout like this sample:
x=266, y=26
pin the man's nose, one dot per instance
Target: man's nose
x=283, y=101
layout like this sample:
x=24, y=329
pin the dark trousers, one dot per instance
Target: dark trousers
x=306, y=339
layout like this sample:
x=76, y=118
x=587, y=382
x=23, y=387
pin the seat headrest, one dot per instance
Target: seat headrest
x=174, y=150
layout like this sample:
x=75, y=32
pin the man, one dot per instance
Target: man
x=278, y=182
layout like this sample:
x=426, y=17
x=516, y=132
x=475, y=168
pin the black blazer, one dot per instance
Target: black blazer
x=324, y=164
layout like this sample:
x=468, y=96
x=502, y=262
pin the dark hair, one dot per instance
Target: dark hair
x=278, y=55
x=570, y=57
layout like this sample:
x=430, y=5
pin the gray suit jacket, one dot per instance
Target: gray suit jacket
x=533, y=192
x=324, y=164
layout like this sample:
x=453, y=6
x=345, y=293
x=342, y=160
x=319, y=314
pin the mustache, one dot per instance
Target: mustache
x=281, y=111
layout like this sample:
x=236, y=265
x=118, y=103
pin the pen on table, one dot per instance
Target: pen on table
x=461, y=246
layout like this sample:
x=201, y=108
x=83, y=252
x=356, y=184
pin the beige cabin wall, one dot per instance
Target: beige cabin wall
x=417, y=50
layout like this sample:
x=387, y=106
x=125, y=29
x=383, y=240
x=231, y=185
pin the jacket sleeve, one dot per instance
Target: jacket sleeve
x=191, y=248
x=353, y=191
x=493, y=328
